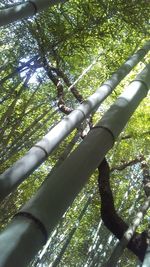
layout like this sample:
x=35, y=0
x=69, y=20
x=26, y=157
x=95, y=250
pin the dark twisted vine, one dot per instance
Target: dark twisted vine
x=111, y=219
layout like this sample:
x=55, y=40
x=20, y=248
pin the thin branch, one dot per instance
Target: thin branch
x=124, y=165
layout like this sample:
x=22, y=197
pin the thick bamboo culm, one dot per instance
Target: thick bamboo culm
x=29, y=229
x=13, y=176
x=24, y=10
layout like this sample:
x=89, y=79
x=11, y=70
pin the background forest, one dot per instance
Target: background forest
x=49, y=63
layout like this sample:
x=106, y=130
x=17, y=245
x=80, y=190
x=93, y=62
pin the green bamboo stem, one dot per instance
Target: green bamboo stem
x=13, y=176
x=36, y=220
x=24, y=10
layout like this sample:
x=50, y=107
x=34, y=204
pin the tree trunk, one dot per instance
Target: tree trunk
x=111, y=219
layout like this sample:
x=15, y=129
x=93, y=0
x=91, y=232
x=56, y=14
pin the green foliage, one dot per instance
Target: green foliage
x=71, y=36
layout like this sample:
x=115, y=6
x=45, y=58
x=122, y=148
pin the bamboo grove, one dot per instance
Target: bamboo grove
x=74, y=150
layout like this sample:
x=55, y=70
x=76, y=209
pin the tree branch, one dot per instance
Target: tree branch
x=112, y=221
x=60, y=90
x=146, y=178
x=135, y=135
x=127, y=164
x=74, y=90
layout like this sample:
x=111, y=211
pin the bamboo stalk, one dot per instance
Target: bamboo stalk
x=36, y=220
x=13, y=176
x=24, y=10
